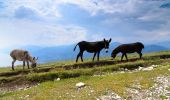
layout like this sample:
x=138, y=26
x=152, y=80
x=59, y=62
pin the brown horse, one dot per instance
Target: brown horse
x=128, y=48
x=23, y=55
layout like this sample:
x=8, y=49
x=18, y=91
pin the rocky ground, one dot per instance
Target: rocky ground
x=160, y=90
x=156, y=92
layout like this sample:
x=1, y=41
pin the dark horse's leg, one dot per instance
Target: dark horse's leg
x=122, y=56
x=81, y=57
x=94, y=55
x=79, y=54
x=98, y=56
x=126, y=56
x=140, y=54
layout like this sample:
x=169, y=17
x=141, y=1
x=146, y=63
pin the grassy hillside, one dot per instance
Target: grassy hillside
x=100, y=77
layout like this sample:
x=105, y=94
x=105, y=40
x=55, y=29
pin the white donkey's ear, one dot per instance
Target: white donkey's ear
x=110, y=40
x=37, y=58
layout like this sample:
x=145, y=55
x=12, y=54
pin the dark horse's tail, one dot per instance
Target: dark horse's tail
x=75, y=46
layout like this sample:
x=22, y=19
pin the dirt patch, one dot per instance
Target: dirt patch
x=18, y=84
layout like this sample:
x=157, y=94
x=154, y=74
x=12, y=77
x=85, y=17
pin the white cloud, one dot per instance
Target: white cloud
x=45, y=8
x=50, y=8
x=24, y=32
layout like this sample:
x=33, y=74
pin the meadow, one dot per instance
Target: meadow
x=101, y=77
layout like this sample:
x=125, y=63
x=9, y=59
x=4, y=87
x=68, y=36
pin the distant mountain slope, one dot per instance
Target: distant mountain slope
x=154, y=48
x=165, y=44
x=166, y=5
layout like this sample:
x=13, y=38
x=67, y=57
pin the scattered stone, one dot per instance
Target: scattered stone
x=73, y=96
x=67, y=93
x=148, y=68
x=58, y=79
x=154, y=66
x=126, y=69
x=80, y=85
x=153, y=93
x=121, y=69
x=26, y=96
x=122, y=72
x=140, y=68
x=110, y=96
x=92, y=91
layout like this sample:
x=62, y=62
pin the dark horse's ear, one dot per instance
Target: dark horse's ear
x=110, y=40
x=33, y=58
x=104, y=40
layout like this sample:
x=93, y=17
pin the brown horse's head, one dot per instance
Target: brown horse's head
x=34, y=62
x=106, y=44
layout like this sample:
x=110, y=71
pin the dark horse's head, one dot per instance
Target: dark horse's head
x=114, y=53
x=106, y=44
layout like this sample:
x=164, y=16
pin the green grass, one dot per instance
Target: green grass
x=50, y=88
x=65, y=89
x=51, y=75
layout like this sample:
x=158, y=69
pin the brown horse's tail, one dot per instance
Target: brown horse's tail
x=75, y=46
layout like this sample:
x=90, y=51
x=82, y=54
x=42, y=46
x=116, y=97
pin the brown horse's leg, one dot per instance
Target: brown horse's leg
x=94, y=56
x=122, y=56
x=28, y=64
x=23, y=64
x=126, y=56
x=13, y=64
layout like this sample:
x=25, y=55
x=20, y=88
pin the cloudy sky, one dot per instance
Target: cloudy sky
x=63, y=22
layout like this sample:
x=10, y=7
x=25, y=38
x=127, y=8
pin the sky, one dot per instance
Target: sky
x=63, y=22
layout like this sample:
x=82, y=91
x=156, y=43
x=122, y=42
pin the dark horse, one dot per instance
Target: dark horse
x=92, y=47
x=128, y=48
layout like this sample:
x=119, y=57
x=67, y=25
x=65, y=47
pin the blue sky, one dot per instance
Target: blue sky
x=63, y=22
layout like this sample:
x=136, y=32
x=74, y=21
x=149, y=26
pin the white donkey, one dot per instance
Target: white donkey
x=23, y=55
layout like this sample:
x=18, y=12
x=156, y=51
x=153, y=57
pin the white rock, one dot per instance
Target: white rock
x=58, y=79
x=126, y=69
x=122, y=72
x=154, y=66
x=148, y=69
x=26, y=96
x=80, y=84
x=92, y=91
x=140, y=68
